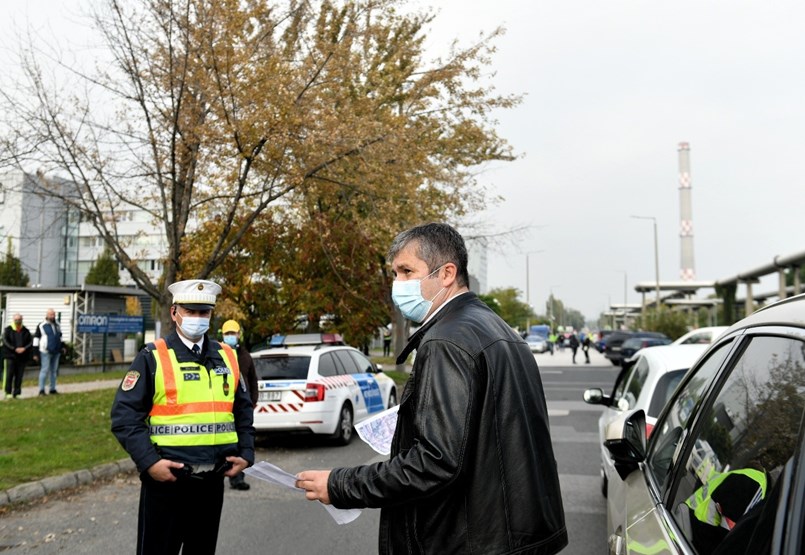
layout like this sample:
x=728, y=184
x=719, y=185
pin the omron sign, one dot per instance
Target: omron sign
x=109, y=323
x=92, y=323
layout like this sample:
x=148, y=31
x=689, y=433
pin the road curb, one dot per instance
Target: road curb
x=31, y=491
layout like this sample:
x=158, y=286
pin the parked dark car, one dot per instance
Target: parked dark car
x=634, y=344
x=724, y=468
x=616, y=339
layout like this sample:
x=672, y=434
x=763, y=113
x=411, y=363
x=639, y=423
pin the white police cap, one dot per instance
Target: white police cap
x=196, y=294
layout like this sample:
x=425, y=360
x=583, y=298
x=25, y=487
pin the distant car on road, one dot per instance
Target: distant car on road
x=615, y=343
x=632, y=345
x=601, y=341
x=537, y=343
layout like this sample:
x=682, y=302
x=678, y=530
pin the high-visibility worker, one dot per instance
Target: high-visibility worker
x=720, y=503
x=184, y=415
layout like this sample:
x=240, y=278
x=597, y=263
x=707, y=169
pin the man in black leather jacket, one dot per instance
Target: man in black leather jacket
x=472, y=468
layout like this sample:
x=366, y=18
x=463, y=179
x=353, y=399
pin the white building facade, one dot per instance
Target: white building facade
x=56, y=248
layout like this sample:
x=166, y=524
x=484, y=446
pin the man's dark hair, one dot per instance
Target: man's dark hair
x=436, y=244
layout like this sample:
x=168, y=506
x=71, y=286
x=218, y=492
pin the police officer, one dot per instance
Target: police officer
x=183, y=414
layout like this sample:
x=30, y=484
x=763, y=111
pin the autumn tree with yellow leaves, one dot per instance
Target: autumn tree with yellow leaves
x=278, y=145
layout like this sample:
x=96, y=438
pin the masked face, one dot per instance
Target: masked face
x=17, y=323
x=407, y=295
x=231, y=340
x=192, y=327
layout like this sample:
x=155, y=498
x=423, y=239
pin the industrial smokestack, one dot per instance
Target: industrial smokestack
x=687, y=269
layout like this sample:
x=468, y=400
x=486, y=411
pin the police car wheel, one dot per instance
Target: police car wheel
x=343, y=431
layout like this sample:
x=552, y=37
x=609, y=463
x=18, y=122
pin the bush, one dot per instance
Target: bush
x=674, y=324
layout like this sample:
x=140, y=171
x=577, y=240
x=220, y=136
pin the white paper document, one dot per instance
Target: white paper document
x=378, y=430
x=275, y=475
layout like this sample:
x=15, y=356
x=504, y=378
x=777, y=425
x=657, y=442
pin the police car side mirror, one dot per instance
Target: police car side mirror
x=626, y=441
x=377, y=368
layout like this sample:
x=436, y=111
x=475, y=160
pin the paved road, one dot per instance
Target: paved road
x=102, y=518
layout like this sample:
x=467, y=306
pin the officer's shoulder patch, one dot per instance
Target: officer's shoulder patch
x=130, y=380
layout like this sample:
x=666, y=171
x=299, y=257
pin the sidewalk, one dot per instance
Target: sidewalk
x=33, y=391
x=565, y=358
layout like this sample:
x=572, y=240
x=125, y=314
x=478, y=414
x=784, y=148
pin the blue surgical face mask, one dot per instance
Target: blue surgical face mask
x=407, y=295
x=231, y=340
x=194, y=327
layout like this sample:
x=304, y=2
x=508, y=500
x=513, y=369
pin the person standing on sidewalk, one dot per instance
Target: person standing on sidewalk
x=183, y=414
x=47, y=339
x=17, y=343
x=231, y=332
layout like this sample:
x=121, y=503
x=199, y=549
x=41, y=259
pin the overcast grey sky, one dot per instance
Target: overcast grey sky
x=611, y=89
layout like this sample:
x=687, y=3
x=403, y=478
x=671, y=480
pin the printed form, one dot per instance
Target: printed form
x=275, y=475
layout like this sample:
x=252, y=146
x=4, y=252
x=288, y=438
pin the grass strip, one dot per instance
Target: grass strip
x=56, y=434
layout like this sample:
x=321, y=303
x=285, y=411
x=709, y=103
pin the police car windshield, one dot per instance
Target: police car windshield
x=282, y=368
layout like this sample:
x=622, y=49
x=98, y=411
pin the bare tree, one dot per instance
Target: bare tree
x=219, y=109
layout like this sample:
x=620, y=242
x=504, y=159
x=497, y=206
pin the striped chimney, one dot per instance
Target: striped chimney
x=687, y=268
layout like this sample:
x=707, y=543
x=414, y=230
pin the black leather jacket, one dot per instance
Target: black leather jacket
x=472, y=468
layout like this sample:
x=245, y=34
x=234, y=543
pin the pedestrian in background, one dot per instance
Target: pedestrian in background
x=183, y=414
x=386, y=341
x=47, y=343
x=574, y=344
x=585, y=347
x=17, y=346
x=231, y=333
x=471, y=468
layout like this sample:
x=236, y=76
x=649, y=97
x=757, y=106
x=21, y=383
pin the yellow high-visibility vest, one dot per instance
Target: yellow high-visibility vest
x=193, y=406
x=702, y=504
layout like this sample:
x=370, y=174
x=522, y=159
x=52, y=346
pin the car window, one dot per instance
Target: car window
x=665, y=387
x=636, y=382
x=744, y=440
x=620, y=383
x=346, y=361
x=697, y=339
x=665, y=437
x=364, y=364
x=282, y=367
x=328, y=366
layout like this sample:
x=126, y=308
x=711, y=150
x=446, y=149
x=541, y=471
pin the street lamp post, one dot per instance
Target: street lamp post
x=528, y=288
x=656, y=255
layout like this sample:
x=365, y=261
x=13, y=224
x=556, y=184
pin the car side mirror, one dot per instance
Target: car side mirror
x=626, y=441
x=377, y=368
x=595, y=396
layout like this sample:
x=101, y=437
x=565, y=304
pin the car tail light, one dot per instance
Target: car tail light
x=314, y=392
x=649, y=429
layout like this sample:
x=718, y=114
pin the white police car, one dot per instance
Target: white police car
x=314, y=383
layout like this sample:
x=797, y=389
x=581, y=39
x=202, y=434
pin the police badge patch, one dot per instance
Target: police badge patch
x=130, y=380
